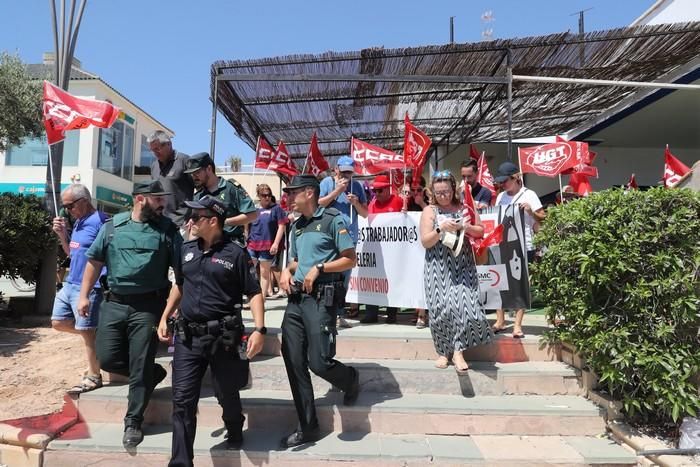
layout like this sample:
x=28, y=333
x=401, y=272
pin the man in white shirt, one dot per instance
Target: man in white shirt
x=513, y=192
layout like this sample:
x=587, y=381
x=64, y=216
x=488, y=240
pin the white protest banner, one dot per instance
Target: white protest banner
x=390, y=261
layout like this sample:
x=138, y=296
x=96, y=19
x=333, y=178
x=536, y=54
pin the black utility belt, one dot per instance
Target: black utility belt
x=137, y=297
x=215, y=327
x=330, y=293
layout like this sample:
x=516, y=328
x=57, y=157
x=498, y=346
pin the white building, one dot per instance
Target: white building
x=107, y=161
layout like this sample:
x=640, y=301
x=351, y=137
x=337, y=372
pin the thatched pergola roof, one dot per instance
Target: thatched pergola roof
x=324, y=93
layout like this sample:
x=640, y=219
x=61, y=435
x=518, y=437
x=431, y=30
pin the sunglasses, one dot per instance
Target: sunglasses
x=442, y=174
x=197, y=217
x=443, y=193
x=70, y=206
x=265, y=195
x=378, y=190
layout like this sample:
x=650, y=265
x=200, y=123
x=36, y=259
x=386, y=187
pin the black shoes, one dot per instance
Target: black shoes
x=234, y=440
x=132, y=436
x=350, y=396
x=300, y=437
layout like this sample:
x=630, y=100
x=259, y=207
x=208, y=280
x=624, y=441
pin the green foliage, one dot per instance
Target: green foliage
x=25, y=235
x=621, y=277
x=20, y=101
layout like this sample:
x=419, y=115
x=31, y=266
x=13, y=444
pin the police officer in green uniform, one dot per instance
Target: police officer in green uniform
x=320, y=250
x=240, y=209
x=137, y=247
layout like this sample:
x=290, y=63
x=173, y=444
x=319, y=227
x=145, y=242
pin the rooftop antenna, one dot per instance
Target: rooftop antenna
x=486, y=18
x=452, y=29
x=581, y=32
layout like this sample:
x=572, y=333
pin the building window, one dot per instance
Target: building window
x=116, y=150
x=146, y=158
x=35, y=151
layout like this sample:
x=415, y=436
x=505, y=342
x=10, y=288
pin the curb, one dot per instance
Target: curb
x=23, y=440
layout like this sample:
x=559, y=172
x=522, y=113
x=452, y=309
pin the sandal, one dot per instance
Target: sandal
x=442, y=363
x=462, y=370
x=89, y=383
x=420, y=323
x=496, y=330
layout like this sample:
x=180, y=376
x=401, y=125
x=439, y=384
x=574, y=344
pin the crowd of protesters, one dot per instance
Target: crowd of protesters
x=121, y=268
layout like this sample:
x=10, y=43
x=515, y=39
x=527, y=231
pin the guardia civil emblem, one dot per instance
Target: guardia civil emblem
x=189, y=256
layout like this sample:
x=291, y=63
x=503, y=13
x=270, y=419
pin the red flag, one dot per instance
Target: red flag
x=490, y=239
x=474, y=152
x=469, y=212
x=673, y=169
x=263, y=154
x=282, y=163
x=552, y=159
x=315, y=163
x=397, y=179
x=632, y=184
x=580, y=184
x=415, y=147
x=63, y=112
x=371, y=160
x=584, y=163
x=483, y=176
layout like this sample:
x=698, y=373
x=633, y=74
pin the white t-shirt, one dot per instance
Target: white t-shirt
x=528, y=196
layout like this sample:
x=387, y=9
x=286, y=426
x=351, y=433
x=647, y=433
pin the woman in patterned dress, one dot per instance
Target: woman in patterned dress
x=457, y=320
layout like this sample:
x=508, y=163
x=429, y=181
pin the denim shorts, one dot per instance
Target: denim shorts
x=65, y=307
x=260, y=255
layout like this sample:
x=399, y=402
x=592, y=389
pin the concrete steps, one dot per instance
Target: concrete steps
x=85, y=443
x=376, y=412
x=518, y=405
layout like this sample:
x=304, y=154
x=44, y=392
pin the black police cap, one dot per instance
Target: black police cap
x=153, y=187
x=198, y=161
x=208, y=202
x=301, y=181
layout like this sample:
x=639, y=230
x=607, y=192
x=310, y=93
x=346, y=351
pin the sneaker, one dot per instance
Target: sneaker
x=342, y=323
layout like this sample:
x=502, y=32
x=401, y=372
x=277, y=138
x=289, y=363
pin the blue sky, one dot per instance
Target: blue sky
x=158, y=52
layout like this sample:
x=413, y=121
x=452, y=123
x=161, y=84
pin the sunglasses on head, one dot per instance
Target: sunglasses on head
x=70, y=206
x=442, y=174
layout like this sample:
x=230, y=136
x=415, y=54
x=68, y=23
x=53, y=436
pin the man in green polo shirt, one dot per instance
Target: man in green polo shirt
x=321, y=249
x=137, y=247
x=240, y=209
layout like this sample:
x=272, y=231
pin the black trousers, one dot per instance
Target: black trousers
x=229, y=374
x=308, y=342
x=126, y=344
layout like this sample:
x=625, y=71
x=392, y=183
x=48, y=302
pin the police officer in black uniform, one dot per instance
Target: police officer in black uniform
x=320, y=250
x=217, y=272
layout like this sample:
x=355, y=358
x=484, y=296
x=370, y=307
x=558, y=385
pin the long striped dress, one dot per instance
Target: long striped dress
x=457, y=320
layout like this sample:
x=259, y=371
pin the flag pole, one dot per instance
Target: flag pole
x=53, y=183
x=561, y=191
x=350, y=192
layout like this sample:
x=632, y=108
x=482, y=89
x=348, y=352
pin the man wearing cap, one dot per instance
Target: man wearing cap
x=320, y=251
x=169, y=168
x=513, y=192
x=240, y=209
x=137, y=247
x=348, y=196
x=216, y=272
x=384, y=201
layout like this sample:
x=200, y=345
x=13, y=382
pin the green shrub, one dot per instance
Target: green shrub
x=620, y=279
x=25, y=235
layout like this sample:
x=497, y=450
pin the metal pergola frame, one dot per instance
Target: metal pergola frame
x=462, y=84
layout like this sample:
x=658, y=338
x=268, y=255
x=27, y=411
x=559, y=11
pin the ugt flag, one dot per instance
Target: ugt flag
x=552, y=159
x=63, y=111
x=673, y=169
x=263, y=154
x=315, y=163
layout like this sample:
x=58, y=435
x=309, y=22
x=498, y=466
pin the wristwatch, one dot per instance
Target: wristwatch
x=320, y=267
x=262, y=330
